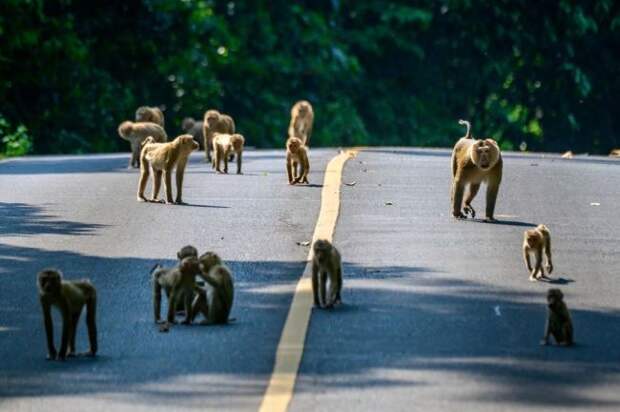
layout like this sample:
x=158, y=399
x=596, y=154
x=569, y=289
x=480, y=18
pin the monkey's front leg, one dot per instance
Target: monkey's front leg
x=492, y=190
x=471, y=194
x=91, y=323
x=225, y=155
x=289, y=170
x=52, y=354
x=66, y=333
x=189, y=293
x=134, y=160
x=168, y=184
x=315, y=285
x=457, y=198
x=323, y=288
x=239, y=162
x=180, y=173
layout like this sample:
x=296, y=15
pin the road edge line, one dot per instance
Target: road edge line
x=280, y=389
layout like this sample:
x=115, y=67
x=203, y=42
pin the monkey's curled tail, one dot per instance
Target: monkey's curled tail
x=468, y=125
x=149, y=139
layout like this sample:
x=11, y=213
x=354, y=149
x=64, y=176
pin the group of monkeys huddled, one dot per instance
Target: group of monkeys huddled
x=195, y=285
x=151, y=151
x=477, y=161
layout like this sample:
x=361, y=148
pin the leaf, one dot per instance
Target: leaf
x=304, y=243
x=350, y=183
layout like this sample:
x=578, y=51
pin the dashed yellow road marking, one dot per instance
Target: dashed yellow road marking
x=291, y=346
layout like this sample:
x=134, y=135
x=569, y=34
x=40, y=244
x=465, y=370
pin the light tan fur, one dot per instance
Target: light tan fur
x=163, y=158
x=297, y=163
x=150, y=114
x=536, y=241
x=475, y=162
x=326, y=262
x=559, y=323
x=302, y=119
x=215, y=122
x=69, y=297
x=136, y=133
x=223, y=145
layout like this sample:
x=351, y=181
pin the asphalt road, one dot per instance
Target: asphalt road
x=438, y=314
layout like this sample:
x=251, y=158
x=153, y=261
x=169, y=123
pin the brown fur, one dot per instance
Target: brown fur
x=559, y=323
x=302, y=118
x=215, y=122
x=163, y=158
x=136, y=134
x=150, y=114
x=223, y=145
x=536, y=241
x=475, y=162
x=326, y=262
x=69, y=297
x=297, y=163
x=179, y=283
x=196, y=129
x=216, y=299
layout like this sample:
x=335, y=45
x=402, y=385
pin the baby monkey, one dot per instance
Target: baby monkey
x=297, y=164
x=559, y=324
x=536, y=241
x=69, y=297
x=216, y=299
x=326, y=262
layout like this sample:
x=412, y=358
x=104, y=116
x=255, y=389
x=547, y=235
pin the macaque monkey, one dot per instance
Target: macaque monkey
x=216, y=299
x=150, y=114
x=136, y=134
x=179, y=283
x=163, y=158
x=536, y=241
x=215, y=122
x=68, y=296
x=196, y=129
x=223, y=145
x=297, y=164
x=326, y=262
x=474, y=162
x=559, y=323
x=302, y=117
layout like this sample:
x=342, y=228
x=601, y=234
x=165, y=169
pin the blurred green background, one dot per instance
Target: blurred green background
x=377, y=72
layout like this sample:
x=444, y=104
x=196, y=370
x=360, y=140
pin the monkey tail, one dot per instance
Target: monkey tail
x=149, y=139
x=468, y=125
x=154, y=268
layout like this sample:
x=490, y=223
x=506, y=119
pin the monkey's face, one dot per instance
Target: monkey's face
x=293, y=145
x=50, y=282
x=484, y=154
x=188, y=143
x=321, y=250
x=189, y=265
x=212, y=119
x=209, y=260
x=554, y=298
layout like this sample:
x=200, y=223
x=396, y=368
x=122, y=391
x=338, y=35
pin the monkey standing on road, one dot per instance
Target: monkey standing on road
x=536, y=241
x=326, y=262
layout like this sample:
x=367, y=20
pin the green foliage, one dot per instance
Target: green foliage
x=16, y=142
x=377, y=72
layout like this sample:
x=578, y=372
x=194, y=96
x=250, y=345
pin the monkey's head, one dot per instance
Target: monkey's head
x=125, y=128
x=209, y=260
x=293, y=144
x=188, y=123
x=187, y=251
x=189, y=265
x=484, y=153
x=49, y=281
x=322, y=249
x=187, y=143
x=212, y=117
x=554, y=298
x=237, y=141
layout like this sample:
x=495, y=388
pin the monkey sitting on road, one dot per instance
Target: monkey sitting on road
x=163, y=158
x=475, y=162
x=223, y=145
x=536, y=241
x=559, y=323
x=150, y=114
x=69, y=297
x=178, y=283
x=216, y=299
x=136, y=134
x=297, y=164
x=326, y=262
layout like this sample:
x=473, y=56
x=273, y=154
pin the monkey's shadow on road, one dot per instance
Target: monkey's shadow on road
x=420, y=322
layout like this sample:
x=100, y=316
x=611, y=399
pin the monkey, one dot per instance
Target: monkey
x=216, y=299
x=326, y=261
x=475, y=161
x=163, y=158
x=223, y=145
x=178, y=283
x=69, y=297
x=302, y=117
x=150, y=114
x=136, y=133
x=196, y=129
x=559, y=323
x=215, y=122
x=297, y=164
x=535, y=241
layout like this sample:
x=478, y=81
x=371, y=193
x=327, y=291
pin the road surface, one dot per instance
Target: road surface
x=438, y=314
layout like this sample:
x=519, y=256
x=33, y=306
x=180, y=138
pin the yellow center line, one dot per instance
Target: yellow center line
x=291, y=346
